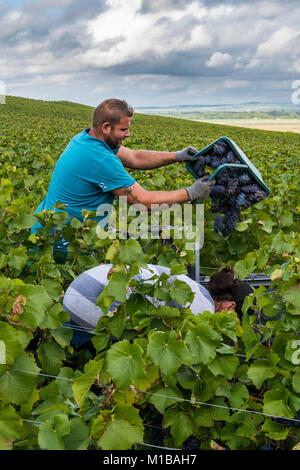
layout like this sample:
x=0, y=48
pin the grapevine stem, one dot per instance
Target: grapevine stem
x=108, y=397
x=5, y=304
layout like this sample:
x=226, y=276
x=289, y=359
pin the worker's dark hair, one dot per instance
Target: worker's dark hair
x=224, y=285
x=111, y=110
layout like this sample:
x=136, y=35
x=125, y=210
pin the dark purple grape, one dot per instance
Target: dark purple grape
x=199, y=164
x=223, y=144
x=221, y=178
x=247, y=204
x=208, y=159
x=260, y=195
x=244, y=179
x=215, y=163
x=191, y=443
x=218, y=190
x=232, y=187
x=240, y=200
x=230, y=157
x=229, y=222
x=224, y=209
x=253, y=188
x=218, y=223
x=219, y=150
x=266, y=447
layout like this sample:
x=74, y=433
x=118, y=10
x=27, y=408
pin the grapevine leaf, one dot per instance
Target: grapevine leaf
x=123, y=431
x=262, y=370
x=125, y=364
x=82, y=384
x=117, y=286
x=13, y=347
x=182, y=425
x=120, y=435
x=167, y=351
x=17, y=258
x=164, y=397
x=239, y=395
x=131, y=251
x=11, y=427
x=296, y=382
x=17, y=387
x=224, y=365
x=274, y=430
x=178, y=269
x=164, y=311
x=37, y=301
x=202, y=343
x=78, y=437
x=48, y=438
x=276, y=403
x=181, y=292
x=292, y=295
x=244, y=267
x=51, y=356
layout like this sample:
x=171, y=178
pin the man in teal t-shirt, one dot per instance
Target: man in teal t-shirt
x=84, y=176
x=91, y=172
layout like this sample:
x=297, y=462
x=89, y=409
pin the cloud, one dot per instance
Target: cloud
x=218, y=59
x=150, y=6
x=276, y=42
x=194, y=47
x=236, y=83
x=155, y=36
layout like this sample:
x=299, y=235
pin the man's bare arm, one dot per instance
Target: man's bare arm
x=137, y=195
x=145, y=159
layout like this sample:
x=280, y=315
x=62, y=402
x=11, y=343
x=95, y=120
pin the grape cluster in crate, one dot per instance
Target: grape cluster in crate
x=235, y=189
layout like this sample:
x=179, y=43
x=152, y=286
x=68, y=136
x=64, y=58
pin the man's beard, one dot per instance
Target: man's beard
x=113, y=142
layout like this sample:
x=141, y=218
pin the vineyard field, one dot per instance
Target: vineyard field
x=160, y=377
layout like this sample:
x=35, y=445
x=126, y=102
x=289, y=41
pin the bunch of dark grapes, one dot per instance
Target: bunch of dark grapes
x=266, y=447
x=218, y=223
x=154, y=432
x=191, y=443
x=235, y=190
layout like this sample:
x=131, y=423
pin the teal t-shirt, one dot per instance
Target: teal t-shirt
x=84, y=176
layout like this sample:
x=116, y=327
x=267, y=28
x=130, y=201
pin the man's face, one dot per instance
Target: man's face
x=118, y=133
x=224, y=305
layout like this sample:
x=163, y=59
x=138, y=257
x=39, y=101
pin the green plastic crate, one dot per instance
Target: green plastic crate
x=246, y=163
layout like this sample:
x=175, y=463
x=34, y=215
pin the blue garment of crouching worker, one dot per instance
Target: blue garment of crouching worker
x=82, y=294
x=84, y=176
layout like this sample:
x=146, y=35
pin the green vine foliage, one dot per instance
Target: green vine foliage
x=147, y=367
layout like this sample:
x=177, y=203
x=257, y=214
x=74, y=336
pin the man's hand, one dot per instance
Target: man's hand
x=200, y=189
x=186, y=155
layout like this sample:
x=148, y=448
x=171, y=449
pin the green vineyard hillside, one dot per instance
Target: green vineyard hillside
x=196, y=380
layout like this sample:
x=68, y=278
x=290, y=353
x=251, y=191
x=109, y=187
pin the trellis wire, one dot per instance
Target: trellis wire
x=79, y=328
x=43, y=375
x=157, y=447
x=193, y=402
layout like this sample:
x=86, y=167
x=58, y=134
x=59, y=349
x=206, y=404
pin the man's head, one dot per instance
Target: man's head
x=111, y=121
x=228, y=292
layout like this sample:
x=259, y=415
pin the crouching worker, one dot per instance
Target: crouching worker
x=224, y=292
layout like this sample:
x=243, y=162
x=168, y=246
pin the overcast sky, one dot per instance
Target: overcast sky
x=151, y=52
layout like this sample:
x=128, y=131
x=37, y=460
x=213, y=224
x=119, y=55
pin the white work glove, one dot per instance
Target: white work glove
x=201, y=188
x=186, y=155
